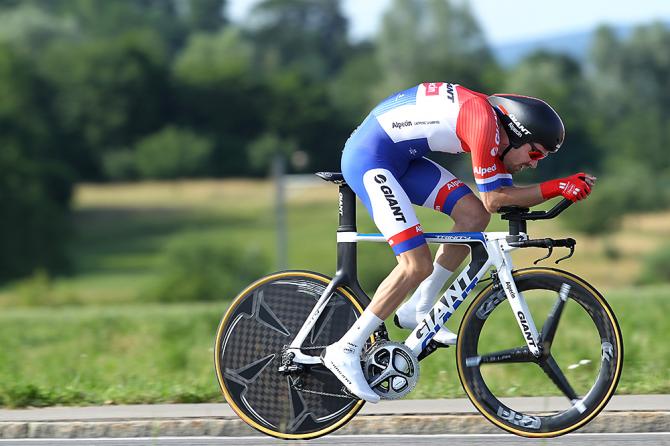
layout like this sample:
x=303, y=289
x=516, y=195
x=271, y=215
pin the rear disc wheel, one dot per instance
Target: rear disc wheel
x=254, y=331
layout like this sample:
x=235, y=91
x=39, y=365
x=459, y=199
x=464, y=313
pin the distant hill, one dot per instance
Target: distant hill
x=575, y=44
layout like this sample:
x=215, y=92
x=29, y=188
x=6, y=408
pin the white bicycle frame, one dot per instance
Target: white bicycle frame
x=488, y=250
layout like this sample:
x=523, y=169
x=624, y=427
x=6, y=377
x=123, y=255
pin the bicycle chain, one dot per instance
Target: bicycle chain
x=316, y=392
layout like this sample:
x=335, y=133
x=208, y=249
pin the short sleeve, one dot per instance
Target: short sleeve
x=477, y=128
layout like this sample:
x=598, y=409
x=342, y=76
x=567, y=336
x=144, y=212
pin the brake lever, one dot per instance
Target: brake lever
x=551, y=250
x=572, y=251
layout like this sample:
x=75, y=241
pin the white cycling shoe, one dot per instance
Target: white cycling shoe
x=346, y=366
x=407, y=318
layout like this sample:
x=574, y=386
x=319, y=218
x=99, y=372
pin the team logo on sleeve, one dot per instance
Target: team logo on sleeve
x=432, y=88
x=479, y=170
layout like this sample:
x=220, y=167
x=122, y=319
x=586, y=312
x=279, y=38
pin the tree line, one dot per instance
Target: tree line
x=123, y=90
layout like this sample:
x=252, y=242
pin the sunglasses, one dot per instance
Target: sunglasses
x=536, y=154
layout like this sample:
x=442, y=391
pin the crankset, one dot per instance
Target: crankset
x=391, y=369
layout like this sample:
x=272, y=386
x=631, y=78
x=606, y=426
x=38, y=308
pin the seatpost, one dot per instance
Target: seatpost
x=347, y=251
x=347, y=221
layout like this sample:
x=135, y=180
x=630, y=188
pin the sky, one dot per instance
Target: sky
x=506, y=22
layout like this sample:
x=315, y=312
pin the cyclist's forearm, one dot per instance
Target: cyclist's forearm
x=524, y=196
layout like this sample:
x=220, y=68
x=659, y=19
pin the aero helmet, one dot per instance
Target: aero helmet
x=526, y=119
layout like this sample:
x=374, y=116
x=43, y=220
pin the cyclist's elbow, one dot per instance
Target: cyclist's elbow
x=491, y=201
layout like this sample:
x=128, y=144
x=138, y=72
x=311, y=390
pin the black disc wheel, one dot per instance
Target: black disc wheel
x=579, y=365
x=253, y=334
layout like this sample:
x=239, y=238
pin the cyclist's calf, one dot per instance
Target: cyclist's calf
x=416, y=265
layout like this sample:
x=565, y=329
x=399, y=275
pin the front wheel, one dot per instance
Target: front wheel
x=581, y=358
x=261, y=321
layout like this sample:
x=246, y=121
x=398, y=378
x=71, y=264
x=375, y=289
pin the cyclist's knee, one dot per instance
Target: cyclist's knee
x=479, y=221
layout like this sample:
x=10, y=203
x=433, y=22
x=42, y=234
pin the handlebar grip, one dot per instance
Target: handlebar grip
x=545, y=243
x=564, y=204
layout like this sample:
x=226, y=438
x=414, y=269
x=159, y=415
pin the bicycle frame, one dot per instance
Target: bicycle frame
x=487, y=250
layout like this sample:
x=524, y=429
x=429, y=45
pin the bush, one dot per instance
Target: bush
x=601, y=213
x=35, y=226
x=201, y=269
x=656, y=266
x=119, y=165
x=636, y=190
x=173, y=153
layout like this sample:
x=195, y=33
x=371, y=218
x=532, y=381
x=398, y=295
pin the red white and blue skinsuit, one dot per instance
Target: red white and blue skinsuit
x=383, y=160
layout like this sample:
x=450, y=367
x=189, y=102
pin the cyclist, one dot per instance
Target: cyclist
x=383, y=162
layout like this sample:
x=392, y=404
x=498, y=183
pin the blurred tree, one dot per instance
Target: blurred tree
x=211, y=58
x=35, y=186
x=172, y=19
x=300, y=109
x=108, y=93
x=309, y=36
x=352, y=91
x=30, y=29
x=34, y=228
x=628, y=123
x=219, y=94
x=631, y=83
x=172, y=153
x=431, y=40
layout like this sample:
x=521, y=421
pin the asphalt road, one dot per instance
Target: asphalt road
x=365, y=440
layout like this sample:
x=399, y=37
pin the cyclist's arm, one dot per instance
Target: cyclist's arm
x=524, y=196
x=575, y=187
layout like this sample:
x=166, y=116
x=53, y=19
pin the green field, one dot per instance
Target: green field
x=163, y=353
x=93, y=337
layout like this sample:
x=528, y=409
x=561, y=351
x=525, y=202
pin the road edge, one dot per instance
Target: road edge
x=609, y=422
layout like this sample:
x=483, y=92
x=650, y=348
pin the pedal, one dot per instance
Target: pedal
x=431, y=348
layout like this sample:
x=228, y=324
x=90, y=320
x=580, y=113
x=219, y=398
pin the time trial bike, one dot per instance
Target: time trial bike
x=269, y=340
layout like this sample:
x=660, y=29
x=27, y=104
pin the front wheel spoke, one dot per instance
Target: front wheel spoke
x=551, y=324
x=516, y=354
x=554, y=372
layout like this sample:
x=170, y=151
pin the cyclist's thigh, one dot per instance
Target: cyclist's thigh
x=430, y=185
x=375, y=182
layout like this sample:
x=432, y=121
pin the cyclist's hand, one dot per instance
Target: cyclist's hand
x=575, y=187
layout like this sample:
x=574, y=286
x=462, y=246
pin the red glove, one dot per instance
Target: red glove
x=574, y=187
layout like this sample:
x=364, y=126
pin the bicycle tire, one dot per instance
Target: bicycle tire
x=581, y=411
x=261, y=320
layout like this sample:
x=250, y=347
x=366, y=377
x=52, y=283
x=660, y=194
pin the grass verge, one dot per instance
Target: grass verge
x=163, y=353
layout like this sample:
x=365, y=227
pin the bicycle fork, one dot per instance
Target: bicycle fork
x=503, y=263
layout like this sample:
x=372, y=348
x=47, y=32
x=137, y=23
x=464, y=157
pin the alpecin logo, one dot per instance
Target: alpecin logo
x=479, y=170
x=453, y=184
x=400, y=125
